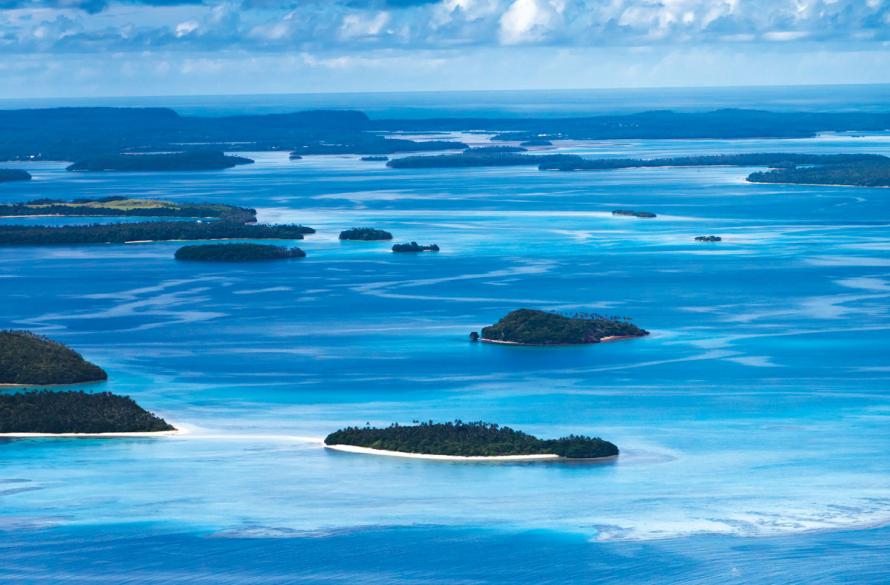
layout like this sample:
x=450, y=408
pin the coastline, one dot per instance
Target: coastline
x=123, y=435
x=467, y=458
x=607, y=339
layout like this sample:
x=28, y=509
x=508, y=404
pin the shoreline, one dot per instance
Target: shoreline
x=607, y=339
x=178, y=431
x=467, y=458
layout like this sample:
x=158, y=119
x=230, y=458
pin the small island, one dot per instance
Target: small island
x=708, y=239
x=237, y=253
x=56, y=413
x=536, y=142
x=415, y=247
x=10, y=175
x=467, y=441
x=632, y=213
x=199, y=160
x=865, y=172
x=375, y=158
x=29, y=359
x=295, y=156
x=365, y=234
x=533, y=327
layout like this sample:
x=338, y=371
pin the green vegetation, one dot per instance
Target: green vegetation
x=375, y=158
x=75, y=412
x=26, y=358
x=197, y=160
x=415, y=247
x=117, y=206
x=9, y=175
x=770, y=159
x=861, y=173
x=536, y=142
x=119, y=233
x=477, y=439
x=295, y=156
x=532, y=327
x=632, y=213
x=708, y=239
x=237, y=252
x=475, y=158
x=365, y=234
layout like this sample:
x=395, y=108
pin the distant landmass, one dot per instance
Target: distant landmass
x=10, y=175
x=237, y=253
x=29, y=359
x=365, y=234
x=708, y=239
x=175, y=161
x=533, y=327
x=75, y=412
x=476, y=439
x=120, y=233
x=415, y=247
x=74, y=134
x=477, y=159
x=632, y=213
x=375, y=158
x=117, y=206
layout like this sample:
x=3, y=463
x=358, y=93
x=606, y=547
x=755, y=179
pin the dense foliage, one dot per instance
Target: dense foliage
x=375, y=158
x=237, y=252
x=75, y=412
x=9, y=175
x=536, y=142
x=477, y=439
x=529, y=326
x=477, y=159
x=632, y=213
x=26, y=358
x=415, y=247
x=863, y=173
x=708, y=239
x=365, y=234
x=116, y=206
x=199, y=160
x=119, y=233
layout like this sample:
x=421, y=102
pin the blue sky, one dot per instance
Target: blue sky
x=157, y=47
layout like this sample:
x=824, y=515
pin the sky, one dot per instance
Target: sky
x=81, y=48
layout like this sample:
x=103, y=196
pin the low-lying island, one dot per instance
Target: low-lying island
x=460, y=441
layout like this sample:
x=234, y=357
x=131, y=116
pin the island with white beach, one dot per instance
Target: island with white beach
x=534, y=327
x=460, y=441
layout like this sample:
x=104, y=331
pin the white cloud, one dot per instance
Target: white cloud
x=530, y=20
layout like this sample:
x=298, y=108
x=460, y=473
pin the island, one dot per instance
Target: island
x=150, y=231
x=10, y=175
x=375, y=158
x=632, y=213
x=118, y=206
x=498, y=149
x=198, y=160
x=478, y=158
x=237, y=253
x=27, y=358
x=366, y=234
x=415, y=247
x=533, y=327
x=295, y=156
x=708, y=239
x=466, y=441
x=855, y=173
x=767, y=159
x=536, y=142
x=75, y=412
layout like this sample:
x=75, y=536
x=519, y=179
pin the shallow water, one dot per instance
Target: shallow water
x=754, y=414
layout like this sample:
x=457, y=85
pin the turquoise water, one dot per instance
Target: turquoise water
x=752, y=422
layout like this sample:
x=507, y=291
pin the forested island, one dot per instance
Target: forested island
x=10, y=175
x=536, y=142
x=237, y=253
x=198, y=160
x=366, y=234
x=75, y=412
x=475, y=439
x=708, y=239
x=415, y=247
x=533, y=327
x=73, y=134
x=26, y=358
x=117, y=206
x=375, y=158
x=120, y=233
x=856, y=173
x=477, y=159
x=766, y=159
x=632, y=213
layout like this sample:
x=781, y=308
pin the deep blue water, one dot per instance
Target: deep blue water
x=752, y=422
